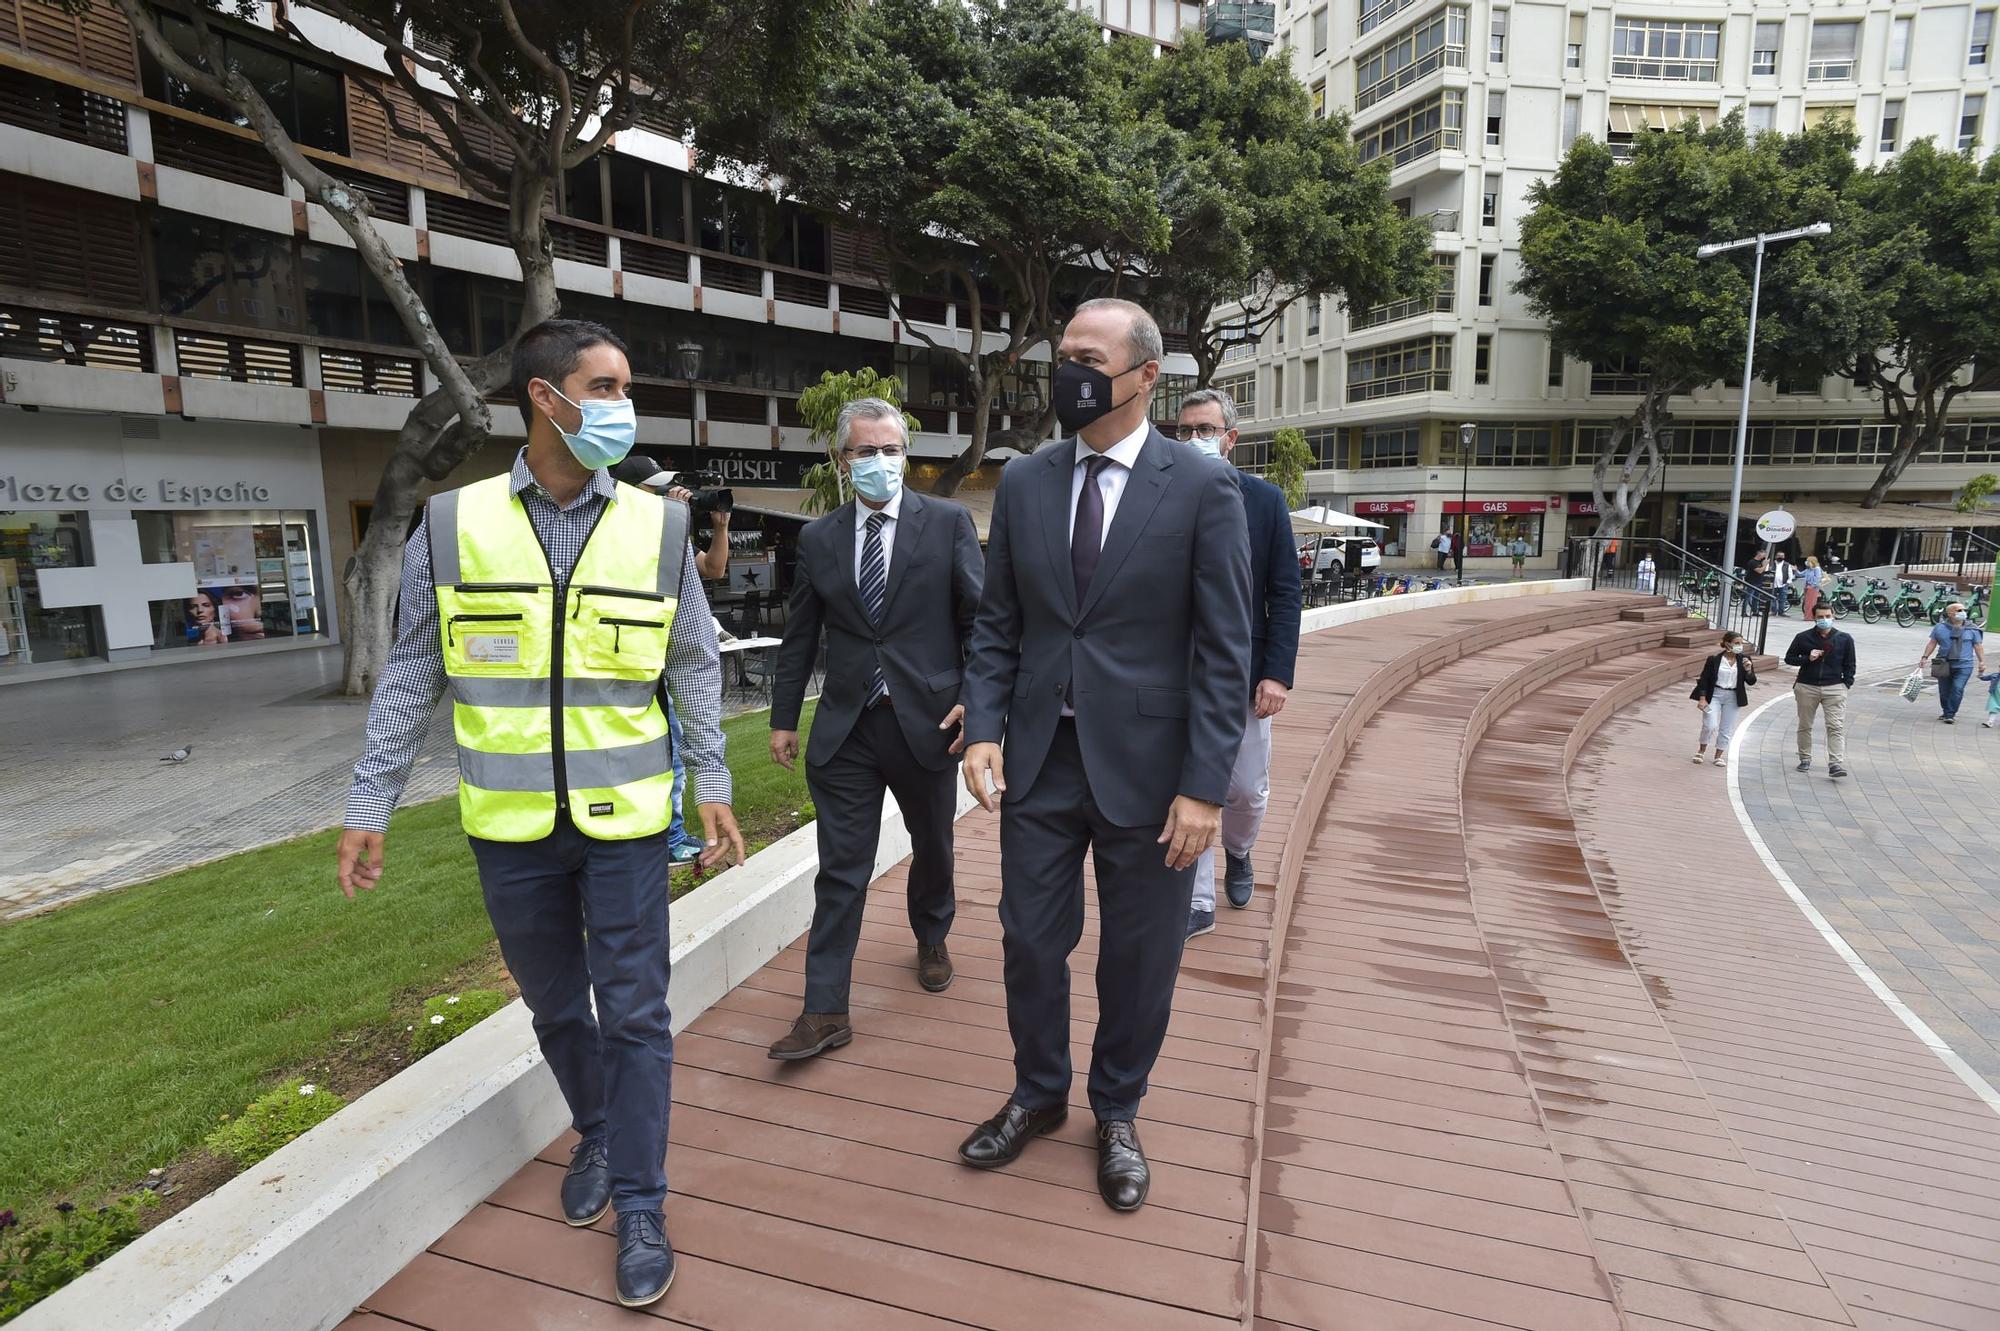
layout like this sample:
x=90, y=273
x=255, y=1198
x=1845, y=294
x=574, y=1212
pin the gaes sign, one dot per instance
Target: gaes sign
x=1775, y=526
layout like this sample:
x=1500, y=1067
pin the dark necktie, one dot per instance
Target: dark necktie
x=874, y=590
x=1086, y=537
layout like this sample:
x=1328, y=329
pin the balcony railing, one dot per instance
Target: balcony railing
x=47, y=107
x=659, y=261
x=1443, y=301
x=1441, y=219
x=1375, y=15
x=240, y=360
x=726, y=275
x=1830, y=71
x=74, y=339
x=210, y=152
x=367, y=372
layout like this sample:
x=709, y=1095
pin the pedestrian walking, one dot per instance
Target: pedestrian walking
x=1782, y=574
x=1824, y=656
x=1609, y=559
x=1992, y=678
x=1958, y=646
x=1649, y=573
x=1722, y=693
x=552, y=601
x=1442, y=544
x=1810, y=578
x=889, y=582
x=1208, y=425
x=1517, y=550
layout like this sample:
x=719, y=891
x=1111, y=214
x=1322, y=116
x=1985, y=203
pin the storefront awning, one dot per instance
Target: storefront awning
x=1935, y=517
x=1330, y=519
x=1634, y=117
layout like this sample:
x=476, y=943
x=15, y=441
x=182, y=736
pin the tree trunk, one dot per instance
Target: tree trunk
x=1617, y=504
x=986, y=386
x=1915, y=434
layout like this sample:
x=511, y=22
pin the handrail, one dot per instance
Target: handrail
x=1726, y=599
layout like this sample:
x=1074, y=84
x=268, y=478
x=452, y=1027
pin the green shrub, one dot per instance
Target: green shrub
x=272, y=1120
x=36, y=1262
x=448, y=1016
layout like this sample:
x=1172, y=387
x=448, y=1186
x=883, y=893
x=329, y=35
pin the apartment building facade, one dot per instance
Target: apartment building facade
x=199, y=382
x=1469, y=102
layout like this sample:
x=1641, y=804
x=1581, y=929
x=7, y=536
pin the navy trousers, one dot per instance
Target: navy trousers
x=576, y=915
x=1142, y=911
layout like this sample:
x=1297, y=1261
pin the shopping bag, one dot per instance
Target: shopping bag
x=1913, y=684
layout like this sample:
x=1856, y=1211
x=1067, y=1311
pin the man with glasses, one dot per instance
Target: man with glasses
x=1208, y=425
x=891, y=579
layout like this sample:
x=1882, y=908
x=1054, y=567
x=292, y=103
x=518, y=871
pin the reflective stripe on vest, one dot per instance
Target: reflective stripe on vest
x=557, y=697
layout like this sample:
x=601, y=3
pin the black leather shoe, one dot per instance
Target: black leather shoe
x=1000, y=1139
x=645, y=1258
x=1239, y=879
x=1122, y=1173
x=586, y=1189
x=934, y=970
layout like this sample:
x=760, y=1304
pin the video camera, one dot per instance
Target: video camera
x=709, y=495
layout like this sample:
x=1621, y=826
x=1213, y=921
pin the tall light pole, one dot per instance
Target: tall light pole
x=1760, y=240
x=1468, y=439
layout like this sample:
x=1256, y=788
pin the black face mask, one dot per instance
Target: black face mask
x=1083, y=394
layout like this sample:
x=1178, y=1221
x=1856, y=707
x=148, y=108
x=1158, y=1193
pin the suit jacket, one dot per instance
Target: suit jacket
x=935, y=571
x=1274, y=581
x=1155, y=657
x=1711, y=668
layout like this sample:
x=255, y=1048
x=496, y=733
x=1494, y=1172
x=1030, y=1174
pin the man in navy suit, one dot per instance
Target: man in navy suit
x=1111, y=655
x=1208, y=425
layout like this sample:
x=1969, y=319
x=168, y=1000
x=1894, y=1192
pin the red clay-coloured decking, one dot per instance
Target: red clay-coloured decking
x=1534, y=1055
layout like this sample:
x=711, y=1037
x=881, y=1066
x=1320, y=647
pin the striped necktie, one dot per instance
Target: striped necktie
x=874, y=579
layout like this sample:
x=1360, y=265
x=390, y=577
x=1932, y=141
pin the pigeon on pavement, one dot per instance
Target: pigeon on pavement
x=179, y=755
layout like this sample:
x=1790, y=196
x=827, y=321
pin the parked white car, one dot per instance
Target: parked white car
x=1322, y=553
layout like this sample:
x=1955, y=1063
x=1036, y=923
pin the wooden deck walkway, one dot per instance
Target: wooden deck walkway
x=1511, y=1066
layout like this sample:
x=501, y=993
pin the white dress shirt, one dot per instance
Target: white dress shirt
x=893, y=511
x=1111, y=481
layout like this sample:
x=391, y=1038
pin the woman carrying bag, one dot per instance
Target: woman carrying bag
x=1721, y=693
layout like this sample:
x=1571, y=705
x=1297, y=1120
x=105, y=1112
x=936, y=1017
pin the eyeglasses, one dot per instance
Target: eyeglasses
x=893, y=452
x=1202, y=432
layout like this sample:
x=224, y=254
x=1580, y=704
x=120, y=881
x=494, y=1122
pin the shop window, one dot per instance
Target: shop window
x=31, y=634
x=309, y=100
x=254, y=573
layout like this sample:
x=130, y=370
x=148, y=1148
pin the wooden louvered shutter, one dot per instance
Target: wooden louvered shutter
x=857, y=253
x=484, y=141
x=71, y=242
x=97, y=42
x=371, y=138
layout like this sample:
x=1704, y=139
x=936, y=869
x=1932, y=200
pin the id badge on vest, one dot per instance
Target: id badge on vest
x=493, y=648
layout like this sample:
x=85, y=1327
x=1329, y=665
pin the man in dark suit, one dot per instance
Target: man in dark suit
x=1208, y=425
x=893, y=578
x=1112, y=653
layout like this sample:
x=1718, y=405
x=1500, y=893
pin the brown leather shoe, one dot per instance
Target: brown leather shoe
x=813, y=1034
x=934, y=968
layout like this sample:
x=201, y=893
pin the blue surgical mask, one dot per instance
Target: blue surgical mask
x=609, y=428
x=876, y=479
x=1826, y=626
x=1958, y=616
x=1206, y=447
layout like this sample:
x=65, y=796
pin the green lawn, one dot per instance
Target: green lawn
x=131, y=1022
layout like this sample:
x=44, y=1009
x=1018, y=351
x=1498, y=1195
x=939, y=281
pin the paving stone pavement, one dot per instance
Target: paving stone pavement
x=1903, y=856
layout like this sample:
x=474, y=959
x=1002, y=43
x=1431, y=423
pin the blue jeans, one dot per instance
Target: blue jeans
x=677, y=833
x=576, y=915
x=1951, y=691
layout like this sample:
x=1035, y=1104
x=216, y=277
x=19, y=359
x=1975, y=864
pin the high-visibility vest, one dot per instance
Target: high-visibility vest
x=555, y=693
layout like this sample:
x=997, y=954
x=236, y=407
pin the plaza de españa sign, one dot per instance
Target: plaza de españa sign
x=16, y=491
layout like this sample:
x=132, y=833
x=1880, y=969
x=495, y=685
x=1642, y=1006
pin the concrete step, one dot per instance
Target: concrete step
x=1649, y=613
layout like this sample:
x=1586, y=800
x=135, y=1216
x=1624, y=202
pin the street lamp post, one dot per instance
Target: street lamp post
x=689, y=355
x=1468, y=439
x=1760, y=241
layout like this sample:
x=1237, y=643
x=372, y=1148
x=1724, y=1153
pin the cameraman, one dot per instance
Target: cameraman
x=713, y=562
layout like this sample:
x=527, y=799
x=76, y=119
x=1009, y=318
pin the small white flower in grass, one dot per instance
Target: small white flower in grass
x=438, y=1020
x=307, y=1089
x=452, y=999
x=409, y=1028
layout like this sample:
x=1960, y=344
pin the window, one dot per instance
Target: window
x=1982, y=39
x=1764, y=49
x=1278, y=324
x=1243, y=392
x=1487, y=262
x=309, y=100
x=1572, y=117
x=1310, y=384
x=219, y=272
x=1444, y=299
x=1968, y=121
x=1482, y=359
x=1319, y=98
x=1434, y=124
x=1489, y=202
x=1615, y=377
x=1505, y=445
x=1834, y=46
x=1759, y=117
x=1496, y=113
x=1892, y=124
x=1319, y=30
x=1277, y=390
x=1899, y=45
x=1496, y=40
x=1390, y=445
x=1556, y=367
x=1419, y=365
x=1436, y=43
x=1374, y=13
x=1672, y=50
x=1573, y=49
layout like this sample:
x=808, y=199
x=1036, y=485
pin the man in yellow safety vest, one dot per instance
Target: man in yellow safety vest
x=551, y=602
